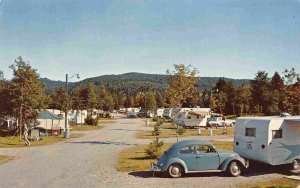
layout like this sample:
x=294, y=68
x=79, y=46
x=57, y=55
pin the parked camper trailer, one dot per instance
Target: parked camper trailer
x=159, y=112
x=270, y=140
x=194, y=119
x=167, y=113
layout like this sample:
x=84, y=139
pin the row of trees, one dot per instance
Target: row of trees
x=24, y=94
x=264, y=95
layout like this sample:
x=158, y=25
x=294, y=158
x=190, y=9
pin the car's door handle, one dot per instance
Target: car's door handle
x=198, y=157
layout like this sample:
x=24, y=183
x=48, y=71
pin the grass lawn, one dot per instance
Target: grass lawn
x=14, y=142
x=276, y=183
x=86, y=128
x=106, y=121
x=5, y=159
x=171, y=132
x=133, y=158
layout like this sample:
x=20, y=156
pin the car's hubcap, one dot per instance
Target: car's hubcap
x=175, y=170
x=295, y=164
x=235, y=169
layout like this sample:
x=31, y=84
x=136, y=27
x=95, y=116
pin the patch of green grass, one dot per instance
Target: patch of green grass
x=86, y=128
x=5, y=159
x=275, y=183
x=133, y=158
x=15, y=142
x=106, y=121
x=171, y=132
x=223, y=145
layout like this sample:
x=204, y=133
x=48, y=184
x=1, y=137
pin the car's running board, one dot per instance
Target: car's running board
x=204, y=171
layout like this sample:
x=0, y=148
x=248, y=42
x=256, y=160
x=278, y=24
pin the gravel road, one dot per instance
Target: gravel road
x=90, y=161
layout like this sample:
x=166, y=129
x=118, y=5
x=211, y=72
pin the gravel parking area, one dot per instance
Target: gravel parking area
x=90, y=161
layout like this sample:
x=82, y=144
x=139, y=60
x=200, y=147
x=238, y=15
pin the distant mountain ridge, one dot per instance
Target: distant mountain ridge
x=134, y=81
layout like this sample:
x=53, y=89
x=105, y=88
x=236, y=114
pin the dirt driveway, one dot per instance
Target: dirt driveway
x=90, y=161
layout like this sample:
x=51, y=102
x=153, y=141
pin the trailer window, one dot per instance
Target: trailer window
x=251, y=132
x=277, y=133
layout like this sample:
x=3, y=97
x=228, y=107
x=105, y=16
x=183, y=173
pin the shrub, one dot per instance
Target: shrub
x=91, y=121
x=154, y=149
x=181, y=130
x=160, y=122
x=156, y=131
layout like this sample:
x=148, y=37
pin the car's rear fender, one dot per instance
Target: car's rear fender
x=174, y=161
x=226, y=162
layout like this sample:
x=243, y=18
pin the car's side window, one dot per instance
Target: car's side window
x=187, y=150
x=200, y=149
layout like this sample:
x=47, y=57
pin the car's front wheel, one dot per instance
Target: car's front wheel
x=296, y=164
x=234, y=169
x=175, y=171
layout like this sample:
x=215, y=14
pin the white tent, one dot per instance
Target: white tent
x=47, y=120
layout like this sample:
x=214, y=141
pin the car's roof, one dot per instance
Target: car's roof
x=183, y=143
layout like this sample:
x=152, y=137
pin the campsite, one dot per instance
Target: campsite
x=150, y=93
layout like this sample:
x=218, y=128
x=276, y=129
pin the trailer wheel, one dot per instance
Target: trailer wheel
x=296, y=164
x=234, y=169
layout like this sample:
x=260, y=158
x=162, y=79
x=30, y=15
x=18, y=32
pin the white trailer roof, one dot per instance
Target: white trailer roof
x=294, y=118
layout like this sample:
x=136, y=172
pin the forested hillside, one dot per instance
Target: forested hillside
x=133, y=82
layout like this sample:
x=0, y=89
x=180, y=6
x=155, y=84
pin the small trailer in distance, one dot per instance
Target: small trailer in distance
x=270, y=140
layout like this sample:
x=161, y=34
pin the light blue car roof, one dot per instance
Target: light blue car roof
x=183, y=143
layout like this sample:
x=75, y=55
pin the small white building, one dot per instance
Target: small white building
x=77, y=116
x=271, y=140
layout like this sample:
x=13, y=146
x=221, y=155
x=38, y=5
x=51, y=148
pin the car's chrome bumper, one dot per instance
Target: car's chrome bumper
x=154, y=168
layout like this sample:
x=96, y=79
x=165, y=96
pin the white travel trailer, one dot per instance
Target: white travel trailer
x=177, y=111
x=194, y=119
x=159, y=112
x=168, y=113
x=270, y=140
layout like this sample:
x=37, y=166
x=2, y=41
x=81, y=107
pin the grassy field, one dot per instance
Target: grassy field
x=276, y=183
x=86, y=128
x=133, y=159
x=106, y=121
x=14, y=142
x=5, y=159
x=168, y=131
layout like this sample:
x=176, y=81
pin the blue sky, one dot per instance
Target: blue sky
x=95, y=37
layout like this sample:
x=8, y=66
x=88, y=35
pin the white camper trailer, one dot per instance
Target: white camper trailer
x=159, y=112
x=167, y=113
x=194, y=118
x=271, y=140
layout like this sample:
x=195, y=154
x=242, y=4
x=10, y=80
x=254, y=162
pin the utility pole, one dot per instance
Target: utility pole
x=66, y=133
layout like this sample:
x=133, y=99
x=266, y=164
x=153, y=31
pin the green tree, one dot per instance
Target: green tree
x=182, y=83
x=292, y=91
x=260, y=91
x=159, y=99
x=277, y=95
x=89, y=97
x=243, y=99
x=58, y=100
x=5, y=106
x=150, y=100
x=27, y=92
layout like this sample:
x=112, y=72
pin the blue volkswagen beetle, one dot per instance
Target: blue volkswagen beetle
x=196, y=156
